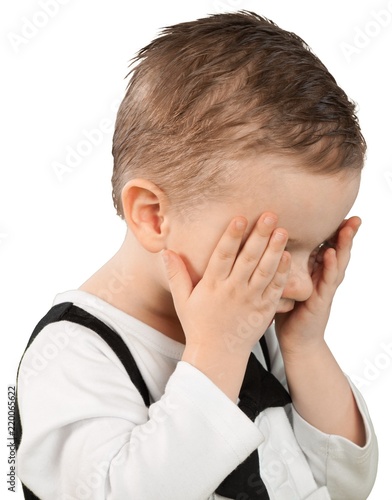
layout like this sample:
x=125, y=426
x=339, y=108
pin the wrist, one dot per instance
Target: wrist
x=224, y=368
x=304, y=351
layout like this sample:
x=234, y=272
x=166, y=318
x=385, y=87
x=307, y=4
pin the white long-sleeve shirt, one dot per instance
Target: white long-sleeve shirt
x=87, y=433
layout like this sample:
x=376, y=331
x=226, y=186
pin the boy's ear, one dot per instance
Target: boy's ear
x=145, y=211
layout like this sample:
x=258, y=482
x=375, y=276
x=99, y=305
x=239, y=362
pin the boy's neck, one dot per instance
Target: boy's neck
x=124, y=283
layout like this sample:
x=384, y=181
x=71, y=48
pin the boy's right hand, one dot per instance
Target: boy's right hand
x=232, y=305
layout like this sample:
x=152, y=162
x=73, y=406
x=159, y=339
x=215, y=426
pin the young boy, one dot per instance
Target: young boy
x=236, y=160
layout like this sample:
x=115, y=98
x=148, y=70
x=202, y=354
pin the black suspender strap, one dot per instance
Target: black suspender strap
x=265, y=350
x=113, y=339
x=67, y=311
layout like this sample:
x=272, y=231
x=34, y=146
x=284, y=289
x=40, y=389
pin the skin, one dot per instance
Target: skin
x=229, y=272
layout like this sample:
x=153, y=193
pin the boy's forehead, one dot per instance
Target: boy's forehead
x=282, y=178
x=310, y=206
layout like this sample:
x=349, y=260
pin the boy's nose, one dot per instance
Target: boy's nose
x=299, y=286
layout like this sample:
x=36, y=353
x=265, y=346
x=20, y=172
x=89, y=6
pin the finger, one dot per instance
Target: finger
x=353, y=222
x=331, y=262
x=254, y=248
x=180, y=282
x=223, y=257
x=330, y=272
x=342, y=241
x=270, y=261
x=274, y=290
x=344, y=245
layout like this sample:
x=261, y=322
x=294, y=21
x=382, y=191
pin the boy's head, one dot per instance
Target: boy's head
x=209, y=93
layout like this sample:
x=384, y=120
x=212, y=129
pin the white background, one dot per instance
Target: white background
x=55, y=231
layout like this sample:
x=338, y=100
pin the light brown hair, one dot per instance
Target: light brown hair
x=207, y=93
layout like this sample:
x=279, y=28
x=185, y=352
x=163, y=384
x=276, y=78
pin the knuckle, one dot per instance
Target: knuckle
x=224, y=254
x=248, y=258
x=276, y=285
x=232, y=293
x=268, y=307
x=265, y=274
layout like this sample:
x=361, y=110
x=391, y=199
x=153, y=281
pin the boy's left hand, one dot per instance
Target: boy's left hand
x=304, y=326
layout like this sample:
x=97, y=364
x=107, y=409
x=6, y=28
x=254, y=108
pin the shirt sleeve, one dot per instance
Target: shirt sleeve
x=88, y=434
x=346, y=469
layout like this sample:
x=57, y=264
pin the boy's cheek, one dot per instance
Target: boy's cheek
x=195, y=245
x=195, y=266
x=195, y=258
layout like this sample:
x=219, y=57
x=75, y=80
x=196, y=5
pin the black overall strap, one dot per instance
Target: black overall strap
x=265, y=350
x=67, y=311
x=260, y=390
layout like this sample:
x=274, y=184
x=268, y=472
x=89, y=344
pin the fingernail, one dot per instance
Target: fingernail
x=270, y=221
x=279, y=236
x=240, y=224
